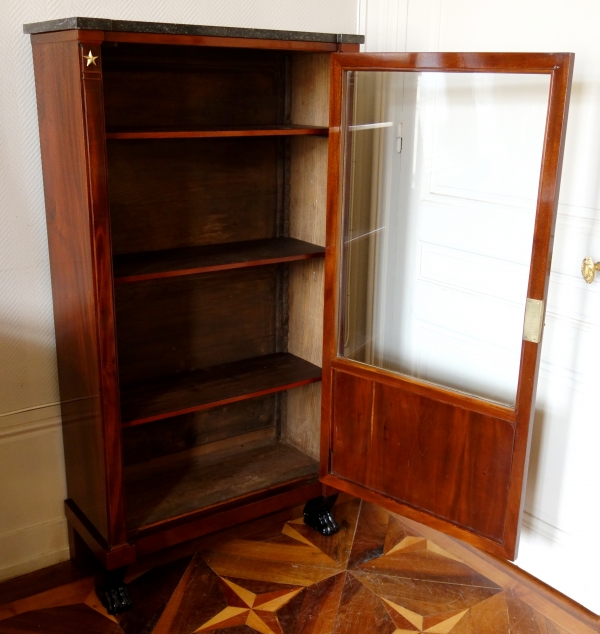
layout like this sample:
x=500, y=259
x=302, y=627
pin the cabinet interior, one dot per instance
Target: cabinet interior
x=217, y=173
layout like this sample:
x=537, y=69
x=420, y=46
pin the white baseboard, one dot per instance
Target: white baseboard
x=546, y=529
x=33, y=529
x=33, y=548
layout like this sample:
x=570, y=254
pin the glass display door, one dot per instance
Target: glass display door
x=443, y=186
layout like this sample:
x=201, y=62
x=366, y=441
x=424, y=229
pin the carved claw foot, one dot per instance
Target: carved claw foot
x=317, y=515
x=113, y=592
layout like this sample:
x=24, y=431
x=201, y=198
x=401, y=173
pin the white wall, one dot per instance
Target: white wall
x=562, y=507
x=32, y=483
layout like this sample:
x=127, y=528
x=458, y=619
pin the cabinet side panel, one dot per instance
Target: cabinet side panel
x=301, y=427
x=306, y=310
x=308, y=189
x=62, y=140
x=308, y=198
x=308, y=169
x=310, y=88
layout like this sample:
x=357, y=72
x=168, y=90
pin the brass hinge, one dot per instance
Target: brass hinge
x=534, y=320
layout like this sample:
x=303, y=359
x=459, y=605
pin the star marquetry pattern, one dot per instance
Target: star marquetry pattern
x=92, y=601
x=435, y=624
x=412, y=544
x=91, y=59
x=257, y=611
x=379, y=575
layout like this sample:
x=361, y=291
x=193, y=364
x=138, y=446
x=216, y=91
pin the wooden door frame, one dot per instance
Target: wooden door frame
x=559, y=66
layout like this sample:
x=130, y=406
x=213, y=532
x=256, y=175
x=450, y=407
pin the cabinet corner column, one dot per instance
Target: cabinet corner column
x=90, y=56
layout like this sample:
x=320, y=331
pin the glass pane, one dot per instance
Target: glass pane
x=441, y=181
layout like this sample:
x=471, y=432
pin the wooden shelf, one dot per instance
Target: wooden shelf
x=218, y=385
x=184, y=483
x=215, y=257
x=238, y=131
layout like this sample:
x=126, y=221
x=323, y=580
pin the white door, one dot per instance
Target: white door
x=562, y=507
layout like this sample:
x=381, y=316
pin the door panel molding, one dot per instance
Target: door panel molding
x=451, y=397
x=417, y=515
x=404, y=444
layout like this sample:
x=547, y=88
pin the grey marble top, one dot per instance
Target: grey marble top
x=100, y=24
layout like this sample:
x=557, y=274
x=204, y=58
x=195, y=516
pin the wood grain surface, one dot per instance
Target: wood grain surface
x=423, y=453
x=74, y=271
x=204, y=133
x=167, y=86
x=201, y=428
x=216, y=257
x=217, y=385
x=187, y=484
x=175, y=325
x=174, y=193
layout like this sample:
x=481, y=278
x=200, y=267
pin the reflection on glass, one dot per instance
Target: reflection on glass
x=441, y=180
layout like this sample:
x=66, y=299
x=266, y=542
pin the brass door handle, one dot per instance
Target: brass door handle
x=588, y=269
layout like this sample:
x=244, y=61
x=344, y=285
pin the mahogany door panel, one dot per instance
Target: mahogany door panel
x=444, y=172
x=424, y=453
x=352, y=422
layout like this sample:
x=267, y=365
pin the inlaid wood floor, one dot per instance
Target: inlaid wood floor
x=381, y=574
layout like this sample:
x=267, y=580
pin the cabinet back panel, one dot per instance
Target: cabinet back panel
x=144, y=442
x=146, y=86
x=165, y=327
x=173, y=193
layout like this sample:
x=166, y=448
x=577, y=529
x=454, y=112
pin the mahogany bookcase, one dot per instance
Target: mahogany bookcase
x=185, y=181
x=194, y=183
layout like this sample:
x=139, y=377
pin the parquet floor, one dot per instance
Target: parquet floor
x=381, y=574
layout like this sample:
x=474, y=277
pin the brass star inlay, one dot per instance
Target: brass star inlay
x=257, y=611
x=91, y=59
